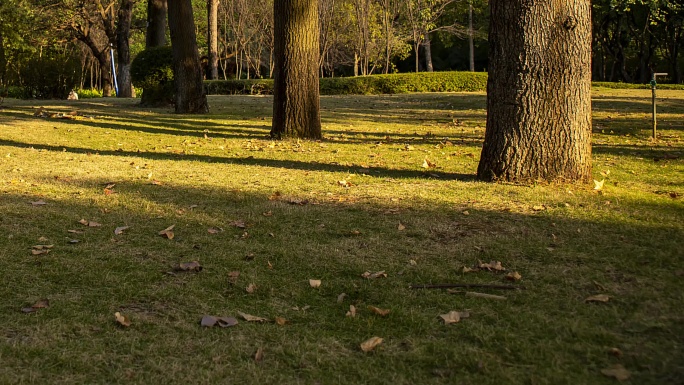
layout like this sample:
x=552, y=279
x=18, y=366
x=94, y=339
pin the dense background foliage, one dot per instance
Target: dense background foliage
x=632, y=38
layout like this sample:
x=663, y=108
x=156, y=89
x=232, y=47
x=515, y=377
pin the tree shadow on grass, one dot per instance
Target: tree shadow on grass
x=104, y=273
x=253, y=161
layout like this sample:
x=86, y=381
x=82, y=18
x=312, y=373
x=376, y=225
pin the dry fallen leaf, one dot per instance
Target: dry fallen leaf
x=122, y=319
x=251, y=318
x=616, y=352
x=427, y=164
x=214, y=230
x=259, y=355
x=352, y=311
x=41, y=304
x=467, y=269
x=598, y=185
x=454, y=316
x=598, y=298
x=233, y=277
x=378, y=311
x=239, y=224
x=120, y=230
x=268, y=213
x=344, y=183
x=189, y=266
x=493, y=265
x=280, y=321
x=39, y=203
x=224, y=322
x=168, y=232
x=340, y=297
x=251, y=288
x=315, y=283
x=514, y=276
x=88, y=223
x=370, y=344
x=75, y=231
x=377, y=274
x=616, y=371
x=401, y=227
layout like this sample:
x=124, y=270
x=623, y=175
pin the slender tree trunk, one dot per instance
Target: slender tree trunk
x=296, y=100
x=123, y=49
x=471, y=38
x=3, y=60
x=156, y=23
x=416, y=49
x=212, y=38
x=427, y=47
x=187, y=69
x=539, y=91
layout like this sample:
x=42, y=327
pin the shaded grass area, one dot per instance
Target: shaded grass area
x=567, y=241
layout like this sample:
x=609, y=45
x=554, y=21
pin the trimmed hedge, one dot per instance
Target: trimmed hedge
x=365, y=85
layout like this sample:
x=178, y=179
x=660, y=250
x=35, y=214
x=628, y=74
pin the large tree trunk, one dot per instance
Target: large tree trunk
x=212, y=38
x=187, y=69
x=538, y=94
x=296, y=101
x=156, y=23
x=123, y=49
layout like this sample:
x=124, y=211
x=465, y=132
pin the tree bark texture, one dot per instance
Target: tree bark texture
x=539, y=91
x=296, y=102
x=123, y=32
x=156, y=23
x=3, y=60
x=212, y=38
x=427, y=48
x=187, y=69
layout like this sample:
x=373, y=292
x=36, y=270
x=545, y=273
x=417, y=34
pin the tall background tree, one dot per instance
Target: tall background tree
x=539, y=92
x=212, y=39
x=123, y=48
x=187, y=69
x=296, y=101
x=157, y=11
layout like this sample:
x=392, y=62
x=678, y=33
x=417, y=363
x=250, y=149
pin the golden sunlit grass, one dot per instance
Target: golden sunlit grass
x=391, y=187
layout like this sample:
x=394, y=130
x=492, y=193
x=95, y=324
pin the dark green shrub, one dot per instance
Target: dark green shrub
x=240, y=87
x=50, y=76
x=152, y=70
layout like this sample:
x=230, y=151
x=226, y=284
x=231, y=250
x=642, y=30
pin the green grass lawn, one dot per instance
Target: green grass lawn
x=282, y=213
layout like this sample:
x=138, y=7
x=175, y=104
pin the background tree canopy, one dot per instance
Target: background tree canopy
x=631, y=38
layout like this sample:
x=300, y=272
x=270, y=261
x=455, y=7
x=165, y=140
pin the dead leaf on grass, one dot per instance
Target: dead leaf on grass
x=167, y=232
x=598, y=298
x=401, y=227
x=315, y=283
x=340, y=297
x=492, y=266
x=427, y=164
x=370, y=344
x=189, y=266
x=352, y=311
x=377, y=274
x=539, y=208
x=214, y=230
x=75, y=231
x=617, y=371
x=598, y=185
x=259, y=355
x=268, y=213
x=280, y=321
x=238, y=223
x=344, y=183
x=275, y=196
x=122, y=319
x=454, y=316
x=233, y=277
x=41, y=304
x=378, y=311
x=615, y=352
x=41, y=249
x=251, y=288
x=120, y=230
x=251, y=318
x=467, y=269
x=514, y=276
x=223, y=322
x=88, y=223
x=39, y=203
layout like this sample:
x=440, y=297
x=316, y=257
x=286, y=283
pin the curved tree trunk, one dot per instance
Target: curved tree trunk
x=156, y=23
x=212, y=39
x=123, y=49
x=296, y=100
x=187, y=69
x=538, y=94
